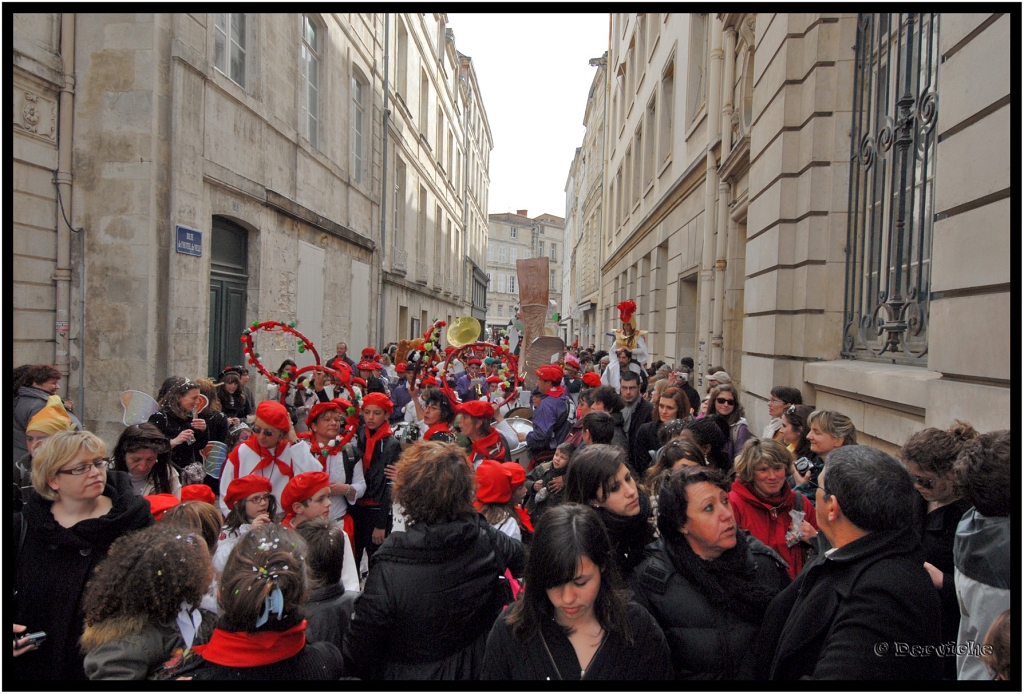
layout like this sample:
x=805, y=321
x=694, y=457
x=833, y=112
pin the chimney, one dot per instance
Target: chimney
x=521, y=213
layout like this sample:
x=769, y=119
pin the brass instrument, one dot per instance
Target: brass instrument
x=463, y=331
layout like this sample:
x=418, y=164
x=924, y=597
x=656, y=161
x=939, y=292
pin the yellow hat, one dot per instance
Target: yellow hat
x=52, y=418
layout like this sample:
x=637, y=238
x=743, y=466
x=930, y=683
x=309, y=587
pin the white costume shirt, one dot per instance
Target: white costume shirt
x=298, y=457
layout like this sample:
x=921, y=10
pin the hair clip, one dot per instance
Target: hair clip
x=272, y=603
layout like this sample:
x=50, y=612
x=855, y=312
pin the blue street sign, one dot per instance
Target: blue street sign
x=189, y=242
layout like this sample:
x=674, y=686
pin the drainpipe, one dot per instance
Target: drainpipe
x=384, y=186
x=465, y=198
x=721, y=242
x=599, y=309
x=62, y=276
x=710, y=189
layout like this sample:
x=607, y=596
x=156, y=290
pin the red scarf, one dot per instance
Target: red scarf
x=239, y=649
x=440, y=426
x=484, y=445
x=371, y=443
x=556, y=391
x=268, y=456
x=524, y=518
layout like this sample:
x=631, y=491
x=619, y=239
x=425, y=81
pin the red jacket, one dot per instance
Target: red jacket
x=769, y=524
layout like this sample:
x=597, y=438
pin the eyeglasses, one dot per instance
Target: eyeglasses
x=774, y=401
x=725, y=401
x=924, y=482
x=100, y=464
x=258, y=498
x=263, y=430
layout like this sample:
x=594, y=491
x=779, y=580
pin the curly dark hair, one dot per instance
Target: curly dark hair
x=146, y=436
x=670, y=454
x=435, y=396
x=934, y=450
x=983, y=473
x=171, y=400
x=149, y=573
x=270, y=557
x=673, y=500
x=707, y=432
x=433, y=483
x=36, y=373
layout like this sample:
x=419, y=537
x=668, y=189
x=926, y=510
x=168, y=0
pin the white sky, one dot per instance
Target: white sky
x=534, y=76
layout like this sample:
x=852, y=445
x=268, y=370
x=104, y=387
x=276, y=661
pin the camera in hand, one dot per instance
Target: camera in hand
x=803, y=465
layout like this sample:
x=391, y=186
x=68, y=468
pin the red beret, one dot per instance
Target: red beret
x=158, y=503
x=517, y=475
x=359, y=382
x=368, y=352
x=274, y=414
x=591, y=379
x=380, y=400
x=198, y=492
x=493, y=379
x=551, y=372
x=474, y=362
x=243, y=487
x=300, y=488
x=366, y=365
x=481, y=409
x=343, y=404
x=319, y=409
x=493, y=483
x=401, y=368
x=428, y=382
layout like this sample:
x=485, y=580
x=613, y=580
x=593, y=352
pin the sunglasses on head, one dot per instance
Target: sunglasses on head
x=725, y=401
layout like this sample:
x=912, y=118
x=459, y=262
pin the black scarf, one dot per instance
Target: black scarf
x=731, y=581
x=629, y=535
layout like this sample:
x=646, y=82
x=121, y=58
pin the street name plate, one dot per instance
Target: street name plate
x=189, y=241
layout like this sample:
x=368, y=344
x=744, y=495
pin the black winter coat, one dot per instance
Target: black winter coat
x=328, y=612
x=430, y=599
x=646, y=440
x=639, y=460
x=387, y=453
x=316, y=661
x=647, y=658
x=51, y=572
x=844, y=615
x=708, y=639
x=171, y=425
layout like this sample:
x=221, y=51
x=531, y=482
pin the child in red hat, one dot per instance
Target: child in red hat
x=476, y=423
x=252, y=505
x=371, y=514
x=306, y=496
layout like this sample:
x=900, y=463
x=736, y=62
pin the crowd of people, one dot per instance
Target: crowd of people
x=640, y=530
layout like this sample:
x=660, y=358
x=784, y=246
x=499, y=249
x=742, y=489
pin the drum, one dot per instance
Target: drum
x=520, y=426
x=520, y=412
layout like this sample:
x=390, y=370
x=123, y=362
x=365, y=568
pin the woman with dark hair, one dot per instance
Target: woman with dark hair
x=598, y=476
x=261, y=631
x=724, y=401
x=145, y=454
x=794, y=431
x=712, y=441
x=134, y=601
x=706, y=582
x=674, y=454
x=187, y=435
x=77, y=512
x=671, y=404
x=780, y=398
x=433, y=591
x=573, y=620
x=217, y=423
x=435, y=415
x=34, y=387
x=928, y=456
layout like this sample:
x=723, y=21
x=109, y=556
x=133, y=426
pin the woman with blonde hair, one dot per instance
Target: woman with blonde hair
x=761, y=502
x=78, y=511
x=826, y=431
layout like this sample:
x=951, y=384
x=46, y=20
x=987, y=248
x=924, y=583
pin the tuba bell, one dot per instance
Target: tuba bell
x=463, y=331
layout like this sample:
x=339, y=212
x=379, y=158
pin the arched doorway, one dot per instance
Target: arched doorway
x=229, y=277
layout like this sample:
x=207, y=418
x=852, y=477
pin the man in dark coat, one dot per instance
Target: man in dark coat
x=550, y=418
x=866, y=609
x=635, y=414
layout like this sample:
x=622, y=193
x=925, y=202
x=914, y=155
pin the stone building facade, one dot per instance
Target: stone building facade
x=746, y=155
x=225, y=167
x=513, y=237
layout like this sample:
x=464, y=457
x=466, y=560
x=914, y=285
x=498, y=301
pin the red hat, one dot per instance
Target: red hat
x=481, y=409
x=449, y=350
x=550, y=372
x=474, y=362
x=493, y=484
x=570, y=360
x=319, y=409
x=158, y=503
x=626, y=310
x=243, y=487
x=493, y=379
x=366, y=365
x=300, y=488
x=274, y=414
x=380, y=400
x=198, y=492
x=428, y=382
x=401, y=368
x=359, y=382
x=591, y=379
x=517, y=475
x=368, y=353
x=343, y=404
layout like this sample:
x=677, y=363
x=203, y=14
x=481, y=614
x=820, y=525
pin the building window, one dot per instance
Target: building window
x=638, y=163
x=424, y=105
x=490, y=252
x=512, y=284
x=554, y=250
x=399, y=207
x=552, y=279
x=696, y=84
x=402, y=61
x=359, y=123
x=501, y=310
x=526, y=254
x=667, y=111
x=541, y=246
x=439, y=137
x=514, y=233
x=490, y=283
x=649, y=142
x=309, y=112
x=892, y=183
x=229, y=45
x=501, y=254
x=513, y=255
